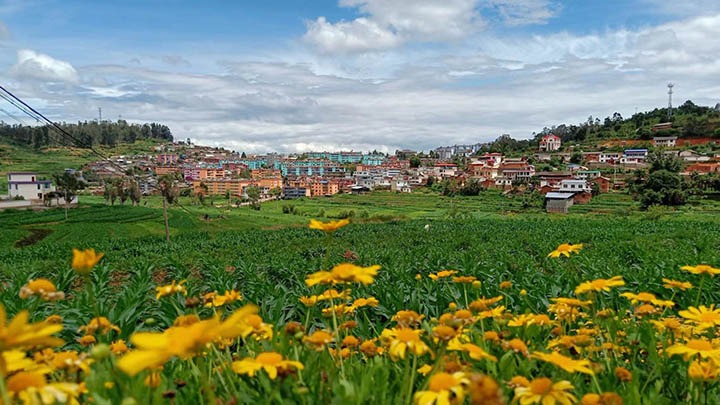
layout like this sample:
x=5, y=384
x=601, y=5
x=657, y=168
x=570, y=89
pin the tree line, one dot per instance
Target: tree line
x=87, y=134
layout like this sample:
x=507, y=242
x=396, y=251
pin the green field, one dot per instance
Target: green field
x=266, y=255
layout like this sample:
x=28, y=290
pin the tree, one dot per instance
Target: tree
x=169, y=191
x=68, y=184
x=661, y=184
x=253, y=195
x=134, y=192
x=415, y=161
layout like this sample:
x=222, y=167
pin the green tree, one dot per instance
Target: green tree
x=253, y=195
x=661, y=184
x=168, y=185
x=68, y=184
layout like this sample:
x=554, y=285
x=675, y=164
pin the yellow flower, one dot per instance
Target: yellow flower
x=483, y=304
x=364, y=302
x=704, y=317
x=703, y=371
x=474, y=351
x=600, y=284
x=43, y=288
x=425, y=370
x=530, y=319
x=153, y=379
x=565, y=249
x=407, y=318
x=118, y=346
x=186, y=320
x=328, y=227
x=606, y=398
x=403, y=339
x=33, y=388
x=571, y=302
x=271, y=362
x=216, y=300
x=505, y=285
x=343, y=273
x=443, y=389
x=542, y=391
x=442, y=274
x=517, y=346
x=623, y=374
x=443, y=333
x=464, y=279
x=680, y=285
x=695, y=348
x=333, y=294
x=20, y=334
x=87, y=340
x=153, y=349
x=370, y=349
x=309, y=301
x=100, y=323
x=566, y=363
x=318, y=339
x=646, y=297
x=165, y=290
x=83, y=261
x=701, y=269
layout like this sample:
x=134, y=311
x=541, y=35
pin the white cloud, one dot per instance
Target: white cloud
x=387, y=24
x=469, y=91
x=355, y=36
x=31, y=64
x=522, y=12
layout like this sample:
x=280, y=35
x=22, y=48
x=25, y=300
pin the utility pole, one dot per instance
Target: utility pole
x=99, y=115
x=670, y=92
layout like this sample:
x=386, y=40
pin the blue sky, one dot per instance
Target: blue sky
x=291, y=76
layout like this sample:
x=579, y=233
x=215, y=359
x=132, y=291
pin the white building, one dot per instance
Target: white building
x=28, y=186
x=574, y=186
x=550, y=143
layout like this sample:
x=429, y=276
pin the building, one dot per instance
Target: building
x=517, y=171
x=552, y=179
x=550, y=143
x=558, y=202
x=634, y=156
x=575, y=186
x=664, y=141
x=28, y=186
x=291, y=193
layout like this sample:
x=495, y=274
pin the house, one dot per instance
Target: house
x=692, y=156
x=550, y=143
x=445, y=170
x=558, y=202
x=574, y=186
x=603, y=183
x=662, y=126
x=552, y=179
x=587, y=174
x=28, y=186
x=610, y=157
x=291, y=193
x=517, y=170
x=400, y=186
x=664, y=141
x=634, y=156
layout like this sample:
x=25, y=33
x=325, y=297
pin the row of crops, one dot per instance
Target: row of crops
x=217, y=309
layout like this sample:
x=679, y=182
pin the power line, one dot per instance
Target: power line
x=37, y=116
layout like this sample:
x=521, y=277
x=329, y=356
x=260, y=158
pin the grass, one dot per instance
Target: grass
x=267, y=254
x=49, y=161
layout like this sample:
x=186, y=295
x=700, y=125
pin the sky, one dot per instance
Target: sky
x=297, y=75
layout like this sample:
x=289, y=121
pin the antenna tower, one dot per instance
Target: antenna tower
x=99, y=114
x=670, y=92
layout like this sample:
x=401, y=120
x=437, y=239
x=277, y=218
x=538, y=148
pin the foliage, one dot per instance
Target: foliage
x=87, y=133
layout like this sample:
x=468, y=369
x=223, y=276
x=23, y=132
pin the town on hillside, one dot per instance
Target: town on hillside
x=562, y=173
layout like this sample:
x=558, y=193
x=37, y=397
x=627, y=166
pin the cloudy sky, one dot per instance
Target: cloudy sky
x=298, y=75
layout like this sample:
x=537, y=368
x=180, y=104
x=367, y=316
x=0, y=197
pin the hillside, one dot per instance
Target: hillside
x=49, y=160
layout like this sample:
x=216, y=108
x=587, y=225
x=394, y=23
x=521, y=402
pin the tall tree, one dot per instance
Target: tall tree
x=68, y=184
x=169, y=191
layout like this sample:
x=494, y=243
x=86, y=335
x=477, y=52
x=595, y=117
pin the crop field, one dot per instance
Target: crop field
x=416, y=300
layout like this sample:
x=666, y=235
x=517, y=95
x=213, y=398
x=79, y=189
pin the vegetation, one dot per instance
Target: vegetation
x=86, y=133
x=484, y=309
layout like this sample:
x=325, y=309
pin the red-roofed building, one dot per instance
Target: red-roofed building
x=550, y=143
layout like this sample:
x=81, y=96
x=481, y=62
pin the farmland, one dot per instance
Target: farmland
x=267, y=256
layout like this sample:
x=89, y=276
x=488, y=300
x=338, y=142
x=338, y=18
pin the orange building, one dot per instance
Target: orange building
x=220, y=186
